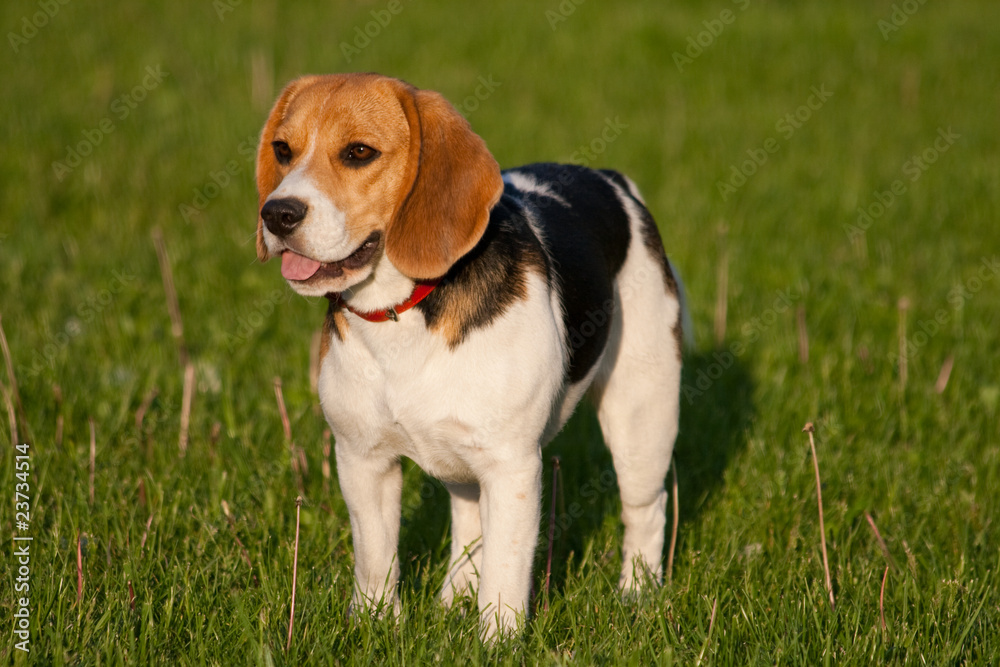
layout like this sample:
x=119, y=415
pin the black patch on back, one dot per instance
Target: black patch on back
x=482, y=285
x=587, y=242
x=653, y=242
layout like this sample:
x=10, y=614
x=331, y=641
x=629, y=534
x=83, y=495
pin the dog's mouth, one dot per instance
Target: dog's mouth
x=300, y=268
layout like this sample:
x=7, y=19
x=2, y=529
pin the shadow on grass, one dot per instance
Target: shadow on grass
x=716, y=407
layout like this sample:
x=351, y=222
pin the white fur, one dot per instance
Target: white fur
x=323, y=234
x=527, y=183
x=465, y=416
x=476, y=416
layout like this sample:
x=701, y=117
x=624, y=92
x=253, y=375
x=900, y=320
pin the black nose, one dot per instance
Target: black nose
x=282, y=216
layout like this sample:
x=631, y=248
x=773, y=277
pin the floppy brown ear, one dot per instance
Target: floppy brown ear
x=455, y=183
x=267, y=167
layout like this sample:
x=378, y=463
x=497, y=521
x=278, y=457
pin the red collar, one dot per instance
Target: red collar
x=420, y=292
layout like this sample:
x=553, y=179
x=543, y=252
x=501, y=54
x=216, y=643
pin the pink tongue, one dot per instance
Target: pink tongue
x=297, y=267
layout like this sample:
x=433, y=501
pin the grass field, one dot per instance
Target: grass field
x=757, y=131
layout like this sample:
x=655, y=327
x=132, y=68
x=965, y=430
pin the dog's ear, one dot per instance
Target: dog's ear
x=454, y=182
x=267, y=166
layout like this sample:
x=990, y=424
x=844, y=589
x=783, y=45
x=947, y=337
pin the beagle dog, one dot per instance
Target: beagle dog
x=470, y=309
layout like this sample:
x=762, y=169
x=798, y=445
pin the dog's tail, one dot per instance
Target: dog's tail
x=687, y=325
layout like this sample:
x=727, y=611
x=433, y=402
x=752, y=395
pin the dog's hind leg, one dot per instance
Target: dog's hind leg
x=637, y=395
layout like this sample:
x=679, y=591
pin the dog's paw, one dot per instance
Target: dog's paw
x=500, y=625
x=451, y=592
x=362, y=607
x=637, y=577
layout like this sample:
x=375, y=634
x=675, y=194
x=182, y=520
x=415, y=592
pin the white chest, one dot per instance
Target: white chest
x=396, y=389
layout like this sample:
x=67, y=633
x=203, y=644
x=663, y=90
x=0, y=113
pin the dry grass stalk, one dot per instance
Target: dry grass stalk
x=79, y=567
x=673, y=529
x=888, y=563
x=243, y=549
x=326, y=461
x=131, y=596
x=11, y=415
x=173, y=305
x=7, y=360
x=295, y=571
x=298, y=465
x=881, y=598
x=708, y=635
x=809, y=428
x=552, y=530
x=904, y=306
x=213, y=440
x=722, y=288
x=145, y=534
x=57, y=392
x=261, y=79
x=800, y=324
x=881, y=542
x=188, y=397
x=93, y=458
x=286, y=423
x=11, y=378
x=300, y=455
x=140, y=413
x=944, y=375
x=140, y=416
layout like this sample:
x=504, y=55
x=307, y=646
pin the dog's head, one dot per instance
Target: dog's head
x=355, y=169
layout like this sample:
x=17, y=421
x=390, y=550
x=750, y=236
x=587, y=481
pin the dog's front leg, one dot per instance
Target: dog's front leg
x=466, y=542
x=372, y=488
x=509, y=509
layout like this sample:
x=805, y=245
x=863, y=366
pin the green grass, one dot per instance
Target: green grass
x=83, y=307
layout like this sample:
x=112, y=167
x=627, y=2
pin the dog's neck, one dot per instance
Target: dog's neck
x=385, y=288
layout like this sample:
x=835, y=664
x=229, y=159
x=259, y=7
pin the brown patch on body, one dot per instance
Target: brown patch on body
x=335, y=324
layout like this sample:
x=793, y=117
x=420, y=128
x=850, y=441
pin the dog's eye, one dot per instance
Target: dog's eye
x=357, y=155
x=282, y=152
